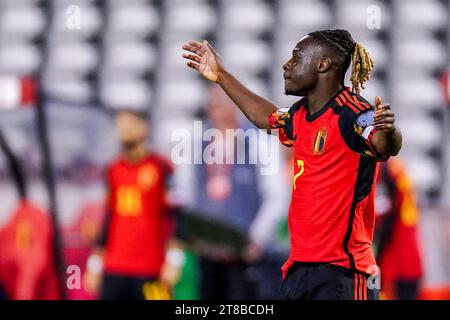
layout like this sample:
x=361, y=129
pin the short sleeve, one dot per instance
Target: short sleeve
x=282, y=119
x=357, y=129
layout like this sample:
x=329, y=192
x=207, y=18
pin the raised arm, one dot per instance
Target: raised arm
x=204, y=58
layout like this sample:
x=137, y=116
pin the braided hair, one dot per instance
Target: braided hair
x=346, y=50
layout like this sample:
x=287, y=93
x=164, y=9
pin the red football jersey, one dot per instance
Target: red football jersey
x=136, y=231
x=401, y=257
x=331, y=216
x=27, y=269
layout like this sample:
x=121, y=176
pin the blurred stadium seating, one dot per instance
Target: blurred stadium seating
x=127, y=53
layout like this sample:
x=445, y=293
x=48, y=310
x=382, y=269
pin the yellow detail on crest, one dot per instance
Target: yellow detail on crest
x=319, y=142
x=147, y=177
x=129, y=201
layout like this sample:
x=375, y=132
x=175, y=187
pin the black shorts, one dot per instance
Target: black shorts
x=118, y=287
x=323, y=281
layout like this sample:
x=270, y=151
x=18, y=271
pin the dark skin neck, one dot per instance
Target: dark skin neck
x=322, y=93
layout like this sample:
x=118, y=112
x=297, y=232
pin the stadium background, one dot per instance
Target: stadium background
x=59, y=85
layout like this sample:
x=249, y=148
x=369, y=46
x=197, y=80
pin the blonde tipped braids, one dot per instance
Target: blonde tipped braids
x=362, y=65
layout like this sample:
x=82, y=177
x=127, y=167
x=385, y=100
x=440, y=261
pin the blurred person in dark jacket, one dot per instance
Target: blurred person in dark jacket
x=396, y=238
x=134, y=258
x=241, y=197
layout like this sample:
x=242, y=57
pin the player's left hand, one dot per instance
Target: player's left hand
x=384, y=119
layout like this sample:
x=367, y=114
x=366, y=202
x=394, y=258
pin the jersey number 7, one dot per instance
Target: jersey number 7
x=301, y=166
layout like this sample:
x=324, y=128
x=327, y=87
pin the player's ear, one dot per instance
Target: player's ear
x=324, y=64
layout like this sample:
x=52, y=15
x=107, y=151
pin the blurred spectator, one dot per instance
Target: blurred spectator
x=136, y=228
x=396, y=239
x=238, y=195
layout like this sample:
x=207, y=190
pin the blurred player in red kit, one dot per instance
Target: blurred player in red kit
x=396, y=238
x=338, y=138
x=131, y=253
x=27, y=236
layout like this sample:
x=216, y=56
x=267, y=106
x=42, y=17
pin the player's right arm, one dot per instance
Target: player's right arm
x=95, y=263
x=204, y=58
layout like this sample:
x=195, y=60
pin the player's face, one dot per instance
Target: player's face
x=300, y=72
x=131, y=129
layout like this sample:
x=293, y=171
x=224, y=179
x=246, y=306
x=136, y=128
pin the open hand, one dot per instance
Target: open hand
x=203, y=58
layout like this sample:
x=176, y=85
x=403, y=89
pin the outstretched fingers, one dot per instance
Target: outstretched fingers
x=194, y=47
x=206, y=43
x=193, y=65
x=191, y=57
x=203, y=58
x=195, y=52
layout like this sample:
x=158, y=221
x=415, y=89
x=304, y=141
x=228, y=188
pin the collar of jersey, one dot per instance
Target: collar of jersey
x=328, y=104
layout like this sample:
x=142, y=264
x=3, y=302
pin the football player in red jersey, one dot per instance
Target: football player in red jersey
x=338, y=139
x=131, y=255
x=397, y=234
